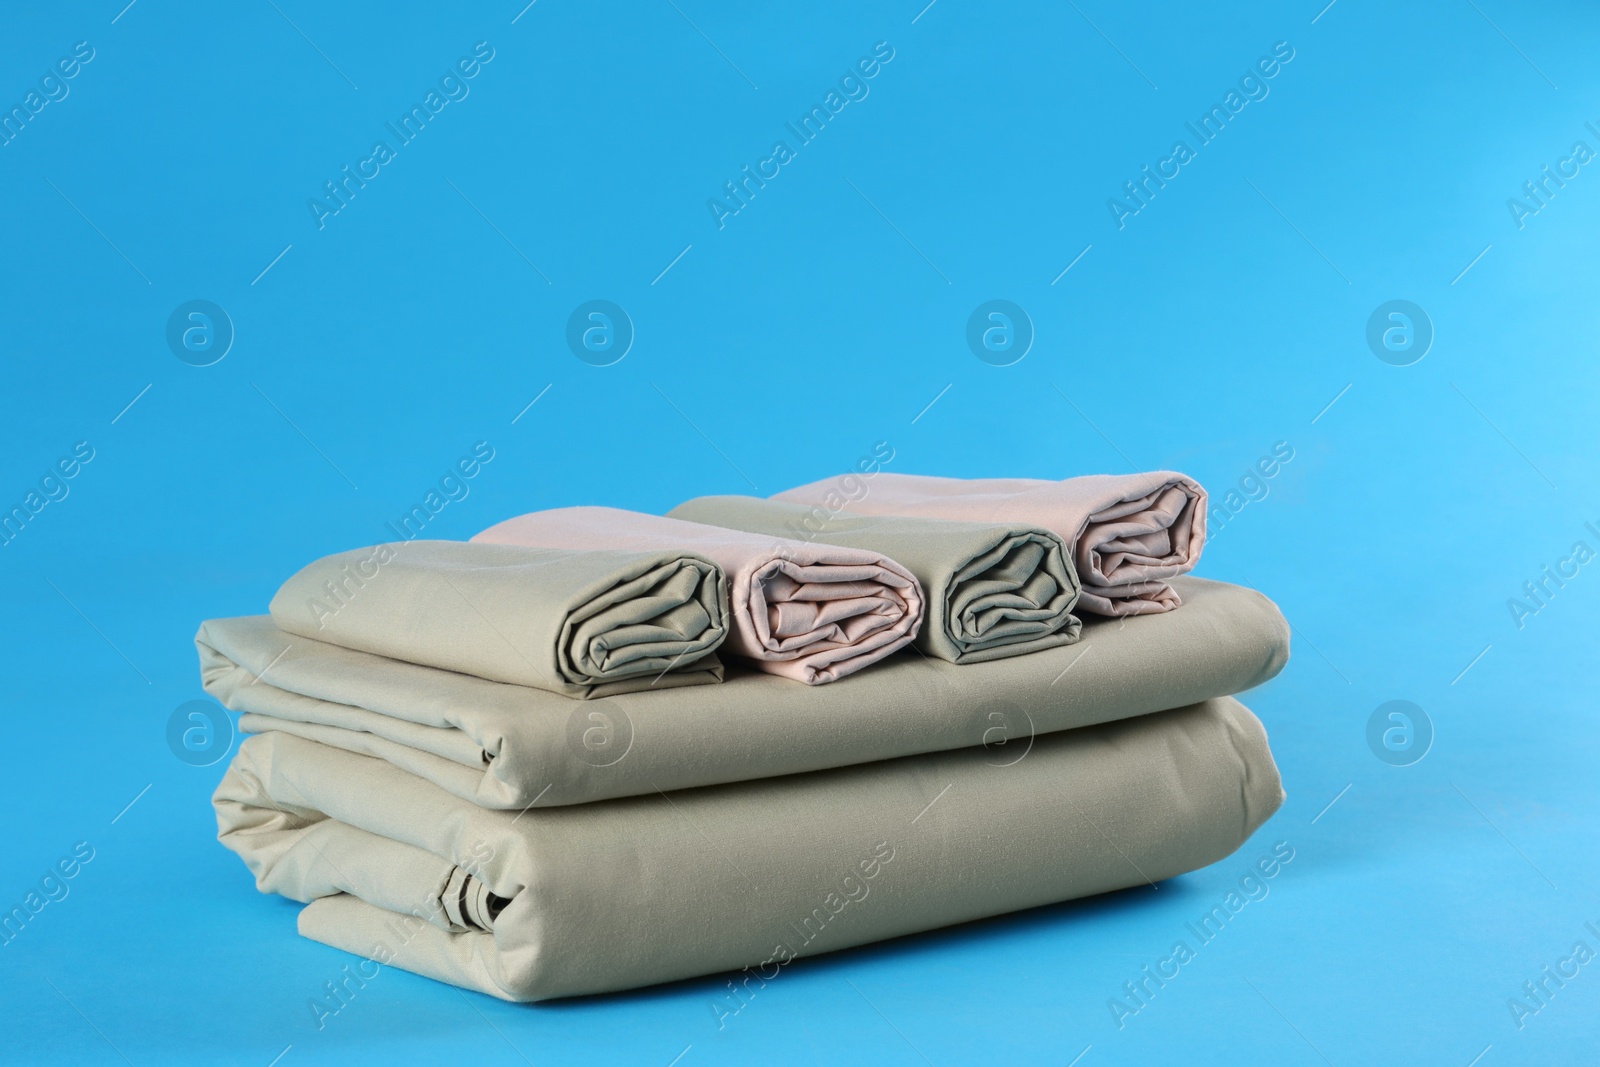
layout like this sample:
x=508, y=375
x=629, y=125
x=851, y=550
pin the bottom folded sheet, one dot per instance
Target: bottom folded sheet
x=616, y=894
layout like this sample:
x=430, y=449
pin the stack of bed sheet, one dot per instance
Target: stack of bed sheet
x=592, y=750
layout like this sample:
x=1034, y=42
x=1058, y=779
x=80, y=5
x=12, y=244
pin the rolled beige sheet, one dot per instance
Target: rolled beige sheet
x=582, y=623
x=1127, y=533
x=813, y=613
x=624, y=893
x=993, y=590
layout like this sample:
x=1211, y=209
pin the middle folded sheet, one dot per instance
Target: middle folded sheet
x=506, y=746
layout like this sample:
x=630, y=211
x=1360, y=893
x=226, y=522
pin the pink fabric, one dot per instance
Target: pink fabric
x=1126, y=532
x=814, y=613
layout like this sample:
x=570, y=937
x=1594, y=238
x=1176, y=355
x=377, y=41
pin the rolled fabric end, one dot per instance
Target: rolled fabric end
x=1020, y=592
x=817, y=615
x=814, y=613
x=671, y=616
x=1153, y=529
x=583, y=623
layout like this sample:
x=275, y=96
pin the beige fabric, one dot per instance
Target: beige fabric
x=502, y=746
x=631, y=892
x=579, y=623
x=992, y=590
x=1127, y=533
x=813, y=613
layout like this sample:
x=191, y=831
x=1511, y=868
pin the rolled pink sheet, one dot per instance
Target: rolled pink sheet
x=1126, y=533
x=814, y=613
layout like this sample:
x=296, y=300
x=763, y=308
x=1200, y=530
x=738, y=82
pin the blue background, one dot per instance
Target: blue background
x=825, y=316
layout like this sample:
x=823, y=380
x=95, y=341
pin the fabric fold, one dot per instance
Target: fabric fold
x=813, y=613
x=580, y=623
x=992, y=589
x=1126, y=533
x=552, y=903
x=505, y=746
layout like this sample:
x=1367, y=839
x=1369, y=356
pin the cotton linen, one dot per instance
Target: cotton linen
x=1126, y=533
x=625, y=893
x=579, y=623
x=813, y=613
x=503, y=746
x=992, y=590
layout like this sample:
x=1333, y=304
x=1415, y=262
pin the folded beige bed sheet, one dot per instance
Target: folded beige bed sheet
x=991, y=590
x=1127, y=533
x=507, y=746
x=579, y=623
x=626, y=893
x=813, y=613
